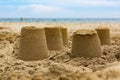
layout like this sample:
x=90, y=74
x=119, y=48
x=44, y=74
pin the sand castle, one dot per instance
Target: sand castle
x=54, y=38
x=64, y=35
x=104, y=35
x=86, y=43
x=33, y=44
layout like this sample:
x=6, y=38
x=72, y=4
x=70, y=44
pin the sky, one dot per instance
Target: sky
x=60, y=8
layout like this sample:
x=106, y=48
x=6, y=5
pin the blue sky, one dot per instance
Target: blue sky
x=60, y=8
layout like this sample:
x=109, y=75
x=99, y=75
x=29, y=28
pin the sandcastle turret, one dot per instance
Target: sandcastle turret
x=33, y=44
x=64, y=35
x=86, y=43
x=54, y=38
x=104, y=35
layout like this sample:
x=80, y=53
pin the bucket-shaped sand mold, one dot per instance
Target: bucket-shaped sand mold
x=86, y=44
x=64, y=35
x=104, y=35
x=33, y=44
x=54, y=38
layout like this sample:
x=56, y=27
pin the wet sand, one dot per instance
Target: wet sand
x=60, y=65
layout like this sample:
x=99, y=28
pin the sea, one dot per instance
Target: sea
x=60, y=20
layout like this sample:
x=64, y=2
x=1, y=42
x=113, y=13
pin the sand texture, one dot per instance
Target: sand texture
x=60, y=65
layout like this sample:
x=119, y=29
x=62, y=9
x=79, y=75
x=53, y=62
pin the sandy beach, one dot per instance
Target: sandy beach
x=59, y=65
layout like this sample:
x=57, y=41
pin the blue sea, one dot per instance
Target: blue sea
x=59, y=19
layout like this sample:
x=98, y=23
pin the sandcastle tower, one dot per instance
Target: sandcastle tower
x=33, y=44
x=86, y=44
x=64, y=35
x=104, y=35
x=54, y=38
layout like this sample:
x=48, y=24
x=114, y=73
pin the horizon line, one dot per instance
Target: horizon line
x=57, y=18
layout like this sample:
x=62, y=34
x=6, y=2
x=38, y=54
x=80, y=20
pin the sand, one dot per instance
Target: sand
x=60, y=65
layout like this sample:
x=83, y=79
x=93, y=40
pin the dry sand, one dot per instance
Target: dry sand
x=60, y=65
